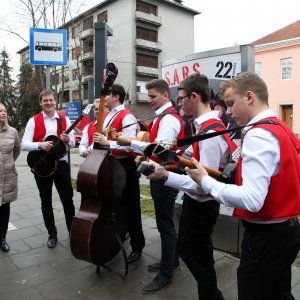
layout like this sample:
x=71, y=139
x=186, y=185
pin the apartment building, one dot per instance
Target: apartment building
x=277, y=61
x=145, y=32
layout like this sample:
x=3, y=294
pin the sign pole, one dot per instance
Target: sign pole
x=47, y=78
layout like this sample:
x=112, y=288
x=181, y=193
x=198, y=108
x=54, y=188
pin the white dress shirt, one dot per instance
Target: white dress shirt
x=214, y=153
x=169, y=128
x=130, y=131
x=51, y=129
x=261, y=160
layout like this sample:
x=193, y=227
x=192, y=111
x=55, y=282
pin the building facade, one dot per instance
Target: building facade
x=145, y=32
x=277, y=61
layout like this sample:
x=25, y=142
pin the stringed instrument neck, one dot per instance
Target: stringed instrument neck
x=142, y=136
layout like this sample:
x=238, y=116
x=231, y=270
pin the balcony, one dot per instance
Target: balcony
x=144, y=44
x=141, y=98
x=146, y=71
x=87, y=56
x=86, y=33
x=151, y=19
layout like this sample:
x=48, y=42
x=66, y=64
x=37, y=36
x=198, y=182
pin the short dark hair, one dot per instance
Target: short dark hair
x=118, y=90
x=159, y=84
x=197, y=83
x=248, y=81
x=46, y=93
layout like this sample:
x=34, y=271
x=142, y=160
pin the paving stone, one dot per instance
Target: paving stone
x=30, y=293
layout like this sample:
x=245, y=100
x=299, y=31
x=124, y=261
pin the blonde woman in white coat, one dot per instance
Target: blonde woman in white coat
x=9, y=152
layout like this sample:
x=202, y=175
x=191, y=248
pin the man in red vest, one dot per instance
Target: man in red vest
x=199, y=210
x=267, y=192
x=165, y=128
x=49, y=122
x=117, y=117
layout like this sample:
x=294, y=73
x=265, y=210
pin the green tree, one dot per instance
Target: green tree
x=7, y=89
x=29, y=87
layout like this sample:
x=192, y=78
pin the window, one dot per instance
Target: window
x=87, y=23
x=146, y=7
x=75, y=95
x=88, y=45
x=286, y=68
x=146, y=60
x=146, y=34
x=75, y=53
x=102, y=17
x=66, y=78
x=75, y=74
x=88, y=67
x=258, y=69
x=75, y=31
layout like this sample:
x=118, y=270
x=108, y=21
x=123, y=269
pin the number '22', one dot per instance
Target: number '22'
x=227, y=68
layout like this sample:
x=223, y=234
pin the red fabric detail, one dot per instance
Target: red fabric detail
x=40, y=129
x=283, y=198
x=154, y=131
x=117, y=123
x=204, y=126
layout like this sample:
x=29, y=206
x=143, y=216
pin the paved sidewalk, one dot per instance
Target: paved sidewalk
x=32, y=271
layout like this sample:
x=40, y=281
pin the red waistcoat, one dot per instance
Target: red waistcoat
x=116, y=123
x=154, y=130
x=283, y=198
x=219, y=126
x=40, y=129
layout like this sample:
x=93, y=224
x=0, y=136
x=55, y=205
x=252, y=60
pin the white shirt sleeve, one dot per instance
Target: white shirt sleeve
x=169, y=128
x=84, y=142
x=261, y=158
x=27, y=143
x=71, y=134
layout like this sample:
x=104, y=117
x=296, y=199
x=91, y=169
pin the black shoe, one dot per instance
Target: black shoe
x=156, y=267
x=157, y=284
x=4, y=246
x=134, y=256
x=52, y=241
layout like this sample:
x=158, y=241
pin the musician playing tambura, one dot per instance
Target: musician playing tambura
x=166, y=128
x=40, y=126
x=117, y=117
x=199, y=210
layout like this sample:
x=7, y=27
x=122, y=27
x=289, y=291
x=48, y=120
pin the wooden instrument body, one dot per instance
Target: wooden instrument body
x=101, y=179
x=44, y=163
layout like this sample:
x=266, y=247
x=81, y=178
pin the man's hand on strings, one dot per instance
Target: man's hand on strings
x=198, y=173
x=123, y=140
x=46, y=146
x=65, y=138
x=100, y=139
x=160, y=173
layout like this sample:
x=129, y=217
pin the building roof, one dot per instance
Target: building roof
x=288, y=32
x=107, y=2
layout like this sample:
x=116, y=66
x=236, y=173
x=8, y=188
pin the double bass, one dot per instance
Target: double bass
x=100, y=226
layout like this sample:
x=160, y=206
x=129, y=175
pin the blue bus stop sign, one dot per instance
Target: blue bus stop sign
x=73, y=110
x=48, y=47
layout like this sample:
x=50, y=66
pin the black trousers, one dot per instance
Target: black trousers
x=62, y=181
x=4, y=219
x=268, y=252
x=164, y=201
x=131, y=198
x=194, y=244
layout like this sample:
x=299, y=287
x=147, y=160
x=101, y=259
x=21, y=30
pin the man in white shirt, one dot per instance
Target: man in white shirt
x=199, y=211
x=39, y=127
x=118, y=117
x=165, y=128
x=267, y=192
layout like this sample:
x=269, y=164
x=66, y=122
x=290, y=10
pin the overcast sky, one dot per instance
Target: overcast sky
x=220, y=24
